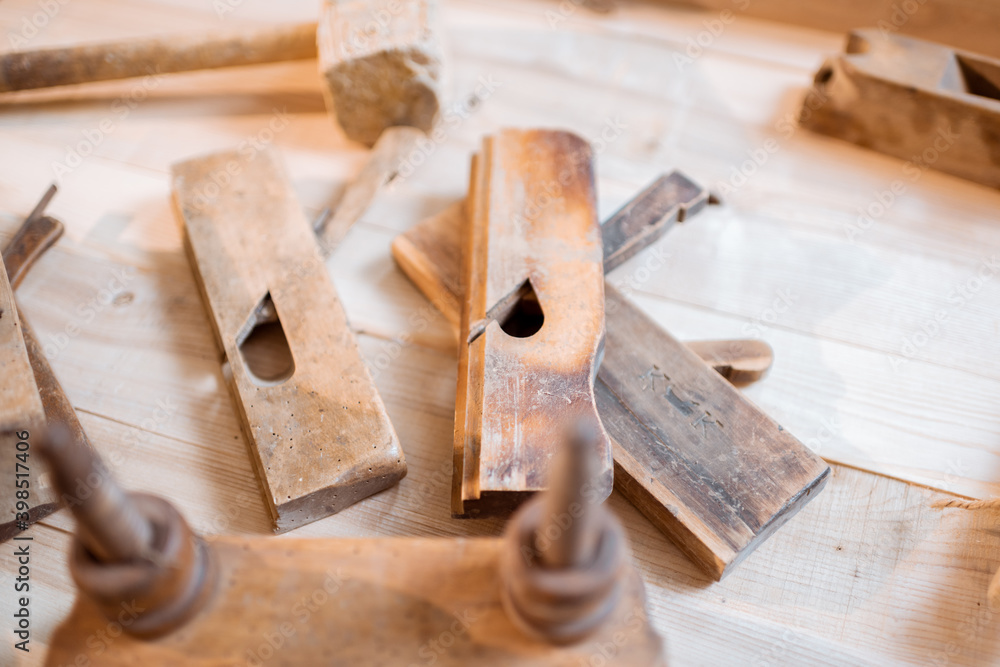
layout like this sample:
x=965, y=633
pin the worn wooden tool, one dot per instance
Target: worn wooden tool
x=319, y=436
x=922, y=102
x=85, y=63
x=38, y=233
x=379, y=170
x=532, y=320
x=154, y=593
x=701, y=462
x=381, y=61
x=428, y=252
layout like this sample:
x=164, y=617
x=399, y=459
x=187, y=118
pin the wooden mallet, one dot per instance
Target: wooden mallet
x=381, y=63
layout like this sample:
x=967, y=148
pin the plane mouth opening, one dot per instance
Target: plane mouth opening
x=264, y=346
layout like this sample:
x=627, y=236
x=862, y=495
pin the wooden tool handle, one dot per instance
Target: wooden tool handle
x=649, y=215
x=38, y=233
x=141, y=57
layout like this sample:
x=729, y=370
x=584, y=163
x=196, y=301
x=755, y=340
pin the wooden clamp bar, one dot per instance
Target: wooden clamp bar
x=536, y=597
x=929, y=104
x=532, y=322
x=702, y=463
x=319, y=437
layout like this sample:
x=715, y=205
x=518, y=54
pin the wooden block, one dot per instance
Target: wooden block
x=701, y=462
x=718, y=482
x=739, y=361
x=318, y=432
x=21, y=418
x=921, y=102
x=532, y=320
x=389, y=601
x=428, y=254
x=382, y=63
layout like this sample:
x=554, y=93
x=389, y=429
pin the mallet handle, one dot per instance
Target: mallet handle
x=151, y=56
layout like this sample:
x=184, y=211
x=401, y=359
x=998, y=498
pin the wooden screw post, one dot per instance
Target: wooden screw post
x=564, y=560
x=131, y=549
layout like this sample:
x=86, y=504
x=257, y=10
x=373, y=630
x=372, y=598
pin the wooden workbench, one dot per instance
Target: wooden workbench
x=885, y=339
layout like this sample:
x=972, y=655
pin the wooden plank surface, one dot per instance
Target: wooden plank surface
x=867, y=574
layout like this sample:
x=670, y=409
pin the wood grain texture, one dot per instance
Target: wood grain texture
x=319, y=437
x=922, y=102
x=21, y=415
x=382, y=64
x=532, y=242
x=393, y=601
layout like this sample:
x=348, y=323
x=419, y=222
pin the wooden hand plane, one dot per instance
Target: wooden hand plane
x=319, y=437
x=702, y=463
x=928, y=104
